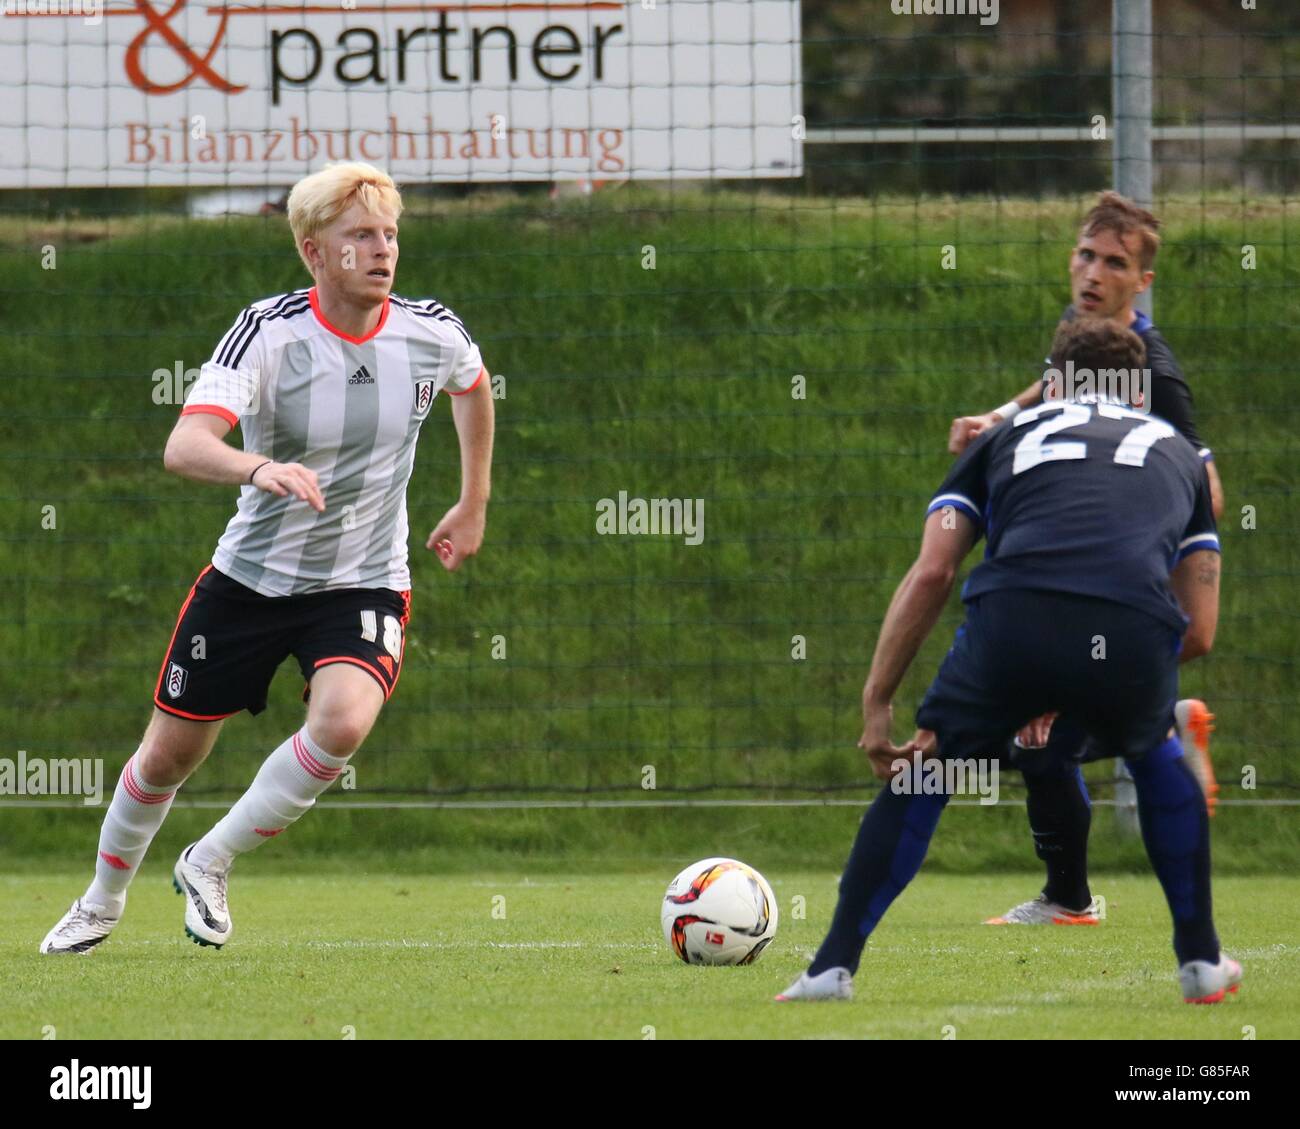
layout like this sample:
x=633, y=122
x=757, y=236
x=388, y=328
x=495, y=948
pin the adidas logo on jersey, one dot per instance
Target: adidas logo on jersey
x=361, y=376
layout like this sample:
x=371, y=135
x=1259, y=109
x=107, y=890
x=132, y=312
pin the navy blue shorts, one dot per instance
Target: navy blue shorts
x=1067, y=744
x=1110, y=669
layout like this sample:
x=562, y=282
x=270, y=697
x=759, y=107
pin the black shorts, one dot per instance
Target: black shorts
x=1022, y=653
x=229, y=640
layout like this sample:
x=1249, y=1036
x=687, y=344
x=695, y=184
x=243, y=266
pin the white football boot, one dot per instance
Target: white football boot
x=833, y=984
x=83, y=927
x=207, y=920
x=1040, y=911
x=1206, y=983
x=1195, y=723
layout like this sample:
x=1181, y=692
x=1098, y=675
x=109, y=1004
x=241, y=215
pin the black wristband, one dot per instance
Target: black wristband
x=256, y=469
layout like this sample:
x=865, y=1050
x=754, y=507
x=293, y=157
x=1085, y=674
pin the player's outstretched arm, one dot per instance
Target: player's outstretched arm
x=966, y=428
x=460, y=532
x=913, y=612
x=197, y=449
x=1195, y=584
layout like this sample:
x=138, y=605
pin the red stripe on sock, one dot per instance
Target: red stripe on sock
x=310, y=764
x=138, y=794
x=268, y=834
x=113, y=861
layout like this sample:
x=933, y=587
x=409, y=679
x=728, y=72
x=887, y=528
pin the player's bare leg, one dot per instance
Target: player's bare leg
x=345, y=701
x=172, y=748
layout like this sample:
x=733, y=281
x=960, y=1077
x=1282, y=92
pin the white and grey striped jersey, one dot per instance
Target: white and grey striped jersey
x=350, y=408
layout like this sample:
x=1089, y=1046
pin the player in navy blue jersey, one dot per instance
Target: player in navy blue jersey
x=1110, y=265
x=1101, y=575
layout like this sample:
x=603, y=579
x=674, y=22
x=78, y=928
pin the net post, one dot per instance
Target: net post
x=1131, y=90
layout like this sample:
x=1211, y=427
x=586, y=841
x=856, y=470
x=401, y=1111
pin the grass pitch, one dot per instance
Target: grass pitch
x=580, y=955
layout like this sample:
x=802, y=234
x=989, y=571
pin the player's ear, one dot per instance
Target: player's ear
x=1148, y=277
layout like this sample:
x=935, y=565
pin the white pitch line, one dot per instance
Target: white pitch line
x=441, y=945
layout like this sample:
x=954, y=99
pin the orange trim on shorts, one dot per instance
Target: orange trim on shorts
x=192, y=716
x=357, y=662
x=211, y=410
x=406, y=618
x=482, y=372
x=157, y=690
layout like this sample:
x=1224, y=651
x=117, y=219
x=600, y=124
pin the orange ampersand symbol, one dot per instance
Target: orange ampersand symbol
x=198, y=66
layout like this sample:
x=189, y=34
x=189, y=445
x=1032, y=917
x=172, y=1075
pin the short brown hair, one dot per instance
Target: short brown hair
x=1116, y=213
x=1097, y=343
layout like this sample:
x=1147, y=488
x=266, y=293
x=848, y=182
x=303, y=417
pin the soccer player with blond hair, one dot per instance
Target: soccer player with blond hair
x=330, y=386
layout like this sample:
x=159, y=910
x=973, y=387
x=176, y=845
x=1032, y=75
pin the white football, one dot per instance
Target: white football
x=719, y=911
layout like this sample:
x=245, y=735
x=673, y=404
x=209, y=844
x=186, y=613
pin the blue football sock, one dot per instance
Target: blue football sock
x=890, y=847
x=1176, y=831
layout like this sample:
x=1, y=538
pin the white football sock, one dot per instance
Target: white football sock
x=286, y=786
x=134, y=815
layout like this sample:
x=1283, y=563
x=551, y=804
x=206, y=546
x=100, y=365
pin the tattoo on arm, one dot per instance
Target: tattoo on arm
x=1208, y=573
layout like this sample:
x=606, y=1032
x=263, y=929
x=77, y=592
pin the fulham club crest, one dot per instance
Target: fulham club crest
x=177, y=676
x=423, y=397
